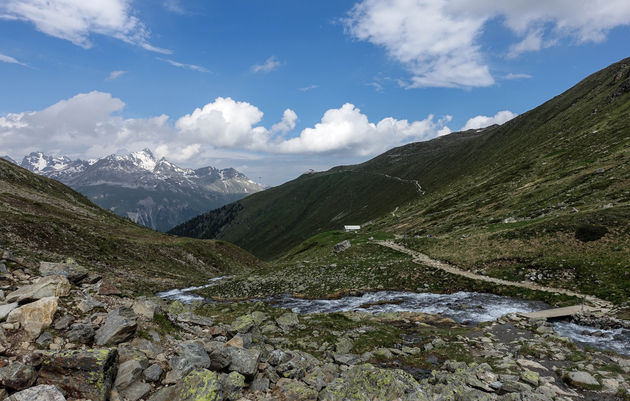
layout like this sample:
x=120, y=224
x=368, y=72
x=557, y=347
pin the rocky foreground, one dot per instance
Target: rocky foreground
x=68, y=334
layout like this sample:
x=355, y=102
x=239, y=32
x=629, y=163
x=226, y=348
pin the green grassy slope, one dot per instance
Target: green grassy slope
x=273, y=221
x=557, y=171
x=42, y=219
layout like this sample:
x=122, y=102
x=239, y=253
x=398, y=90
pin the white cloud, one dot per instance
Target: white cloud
x=308, y=88
x=115, y=75
x=512, y=76
x=76, y=20
x=269, y=65
x=8, y=59
x=346, y=129
x=485, y=121
x=174, y=6
x=439, y=40
x=192, y=67
x=89, y=125
x=289, y=118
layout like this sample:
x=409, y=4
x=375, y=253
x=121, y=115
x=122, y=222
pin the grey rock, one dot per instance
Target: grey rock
x=50, y=286
x=342, y=246
x=88, y=304
x=17, y=376
x=152, y=373
x=344, y=345
x=120, y=325
x=199, y=385
x=233, y=385
x=366, y=382
x=44, y=339
x=87, y=374
x=259, y=384
x=135, y=391
x=6, y=309
x=244, y=361
x=288, y=321
x=145, y=308
x=295, y=390
x=82, y=333
x=581, y=379
x=63, y=322
x=220, y=357
x=71, y=271
x=128, y=372
x=190, y=356
x=38, y=393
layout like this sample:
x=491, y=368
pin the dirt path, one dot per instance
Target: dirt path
x=421, y=258
x=414, y=182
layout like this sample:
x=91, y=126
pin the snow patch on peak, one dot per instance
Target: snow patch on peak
x=144, y=159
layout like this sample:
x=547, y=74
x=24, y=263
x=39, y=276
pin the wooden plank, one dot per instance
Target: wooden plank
x=559, y=312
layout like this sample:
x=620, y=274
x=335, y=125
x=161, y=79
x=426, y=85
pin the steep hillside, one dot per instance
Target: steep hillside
x=544, y=197
x=43, y=219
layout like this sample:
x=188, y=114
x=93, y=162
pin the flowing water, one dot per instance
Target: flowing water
x=463, y=307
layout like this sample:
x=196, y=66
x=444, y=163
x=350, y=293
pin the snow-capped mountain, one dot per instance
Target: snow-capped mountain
x=155, y=193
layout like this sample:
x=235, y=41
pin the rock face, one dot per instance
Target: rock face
x=81, y=374
x=35, y=316
x=367, y=383
x=38, y=393
x=49, y=286
x=119, y=326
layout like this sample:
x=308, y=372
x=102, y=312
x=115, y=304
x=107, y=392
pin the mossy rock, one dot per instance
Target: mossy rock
x=200, y=385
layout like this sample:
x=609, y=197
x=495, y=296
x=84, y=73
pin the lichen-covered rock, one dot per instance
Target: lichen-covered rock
x=366, y=383
x=49, y=286
x=36, y=316
x=294, y=390
x=17, y=376
x=80, y=374
x=120, y=325
x=199, y=385
x=288, y=321
x=243, y=324
x=38, y=393
x=233, y=385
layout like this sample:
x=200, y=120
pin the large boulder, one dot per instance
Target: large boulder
x=71, y=271
x=190, y=356
x=244, y=361
x=36, y=316
x=342, y=246
x=582, y=380
x=366, y=383
x=82, y=333
x=120, y=325
x=85, y=374
x=288, y=321
x=199, y=385
x=129, y=372
x=17, y=376
x=38, y=393
x=50, y=286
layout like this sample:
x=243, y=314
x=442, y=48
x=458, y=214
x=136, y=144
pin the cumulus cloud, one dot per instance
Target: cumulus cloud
x=439, y=40
x=485, y=121
x=269, y=65
x=192, y=67
x=8, y=59
x=115, y=75
x=76, y=20
x=346, y=129
x=90, y=125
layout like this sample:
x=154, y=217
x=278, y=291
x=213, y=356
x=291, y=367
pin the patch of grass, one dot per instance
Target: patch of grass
x=164, y=326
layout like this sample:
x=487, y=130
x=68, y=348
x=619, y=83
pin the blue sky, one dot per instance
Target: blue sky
x=277, y=87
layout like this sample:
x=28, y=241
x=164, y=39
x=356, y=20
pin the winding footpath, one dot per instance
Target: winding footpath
x=422, y=259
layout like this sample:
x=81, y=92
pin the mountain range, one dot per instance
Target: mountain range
x=155, y=193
